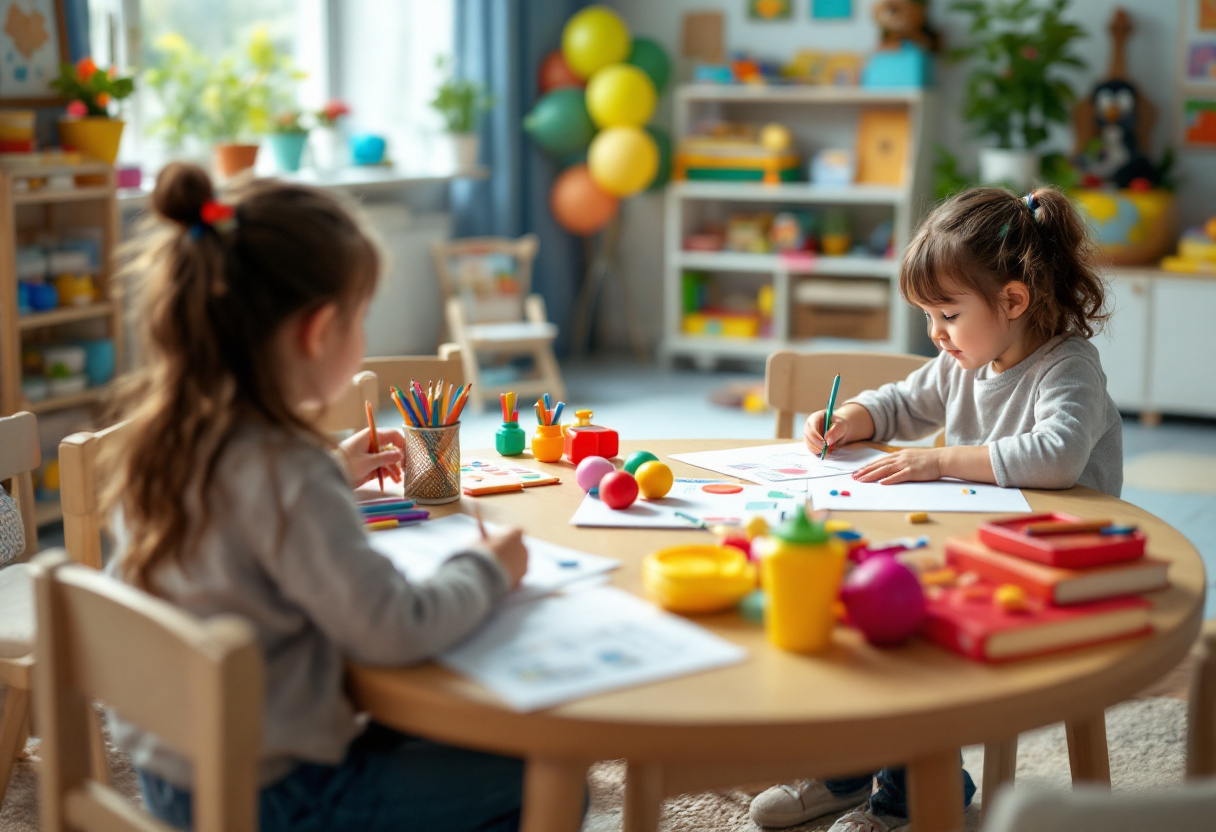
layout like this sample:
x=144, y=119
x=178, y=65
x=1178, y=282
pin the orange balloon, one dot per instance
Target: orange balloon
x=554, y=72
x=578, y=204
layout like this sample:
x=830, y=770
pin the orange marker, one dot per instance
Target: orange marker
x=373, y=445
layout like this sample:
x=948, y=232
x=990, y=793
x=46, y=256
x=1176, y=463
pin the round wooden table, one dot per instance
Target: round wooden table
x=779, y=716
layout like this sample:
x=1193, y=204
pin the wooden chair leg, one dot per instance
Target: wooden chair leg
x=1000, y=764
x=97, y=749
x=546, y=363
x=935, y=793
x=555, y=792
x=1087, y=752
x=643, y=797
x=14, y=731
x=1201, y=713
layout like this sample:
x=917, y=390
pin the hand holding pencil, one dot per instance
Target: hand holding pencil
x=363, y=464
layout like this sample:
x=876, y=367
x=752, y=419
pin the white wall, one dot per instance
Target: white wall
x=1151, y=59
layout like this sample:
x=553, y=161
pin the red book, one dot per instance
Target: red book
x=1055, y=584
x=1070, y=551
x=965, y=619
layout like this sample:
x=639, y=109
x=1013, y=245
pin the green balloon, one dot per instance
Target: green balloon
x=652, y=59
x=637, y=459
x=559, y=122
x=664, y=144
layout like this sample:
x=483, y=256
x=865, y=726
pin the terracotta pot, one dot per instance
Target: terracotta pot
x=94, y=136
x=231, y=159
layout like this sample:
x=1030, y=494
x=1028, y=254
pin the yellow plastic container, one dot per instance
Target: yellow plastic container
x=801, y=565
x=697, y=579
x=548, y=444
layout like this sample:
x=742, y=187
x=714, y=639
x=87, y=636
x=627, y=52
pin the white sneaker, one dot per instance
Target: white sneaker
x=783, y=806
x=863, y=820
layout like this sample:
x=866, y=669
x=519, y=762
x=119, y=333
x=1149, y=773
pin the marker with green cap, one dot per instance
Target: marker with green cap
x=827, y=419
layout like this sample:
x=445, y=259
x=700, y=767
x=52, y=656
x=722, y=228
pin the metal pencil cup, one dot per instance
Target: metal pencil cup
x=432, y=464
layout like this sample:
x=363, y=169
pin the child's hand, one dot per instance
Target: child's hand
x=361, y=464
x=838, y=434
x=908, y=465
x=508, y=547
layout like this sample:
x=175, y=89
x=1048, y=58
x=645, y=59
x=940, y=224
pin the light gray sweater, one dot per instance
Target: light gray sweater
x=286, y=550
x=1048, y=422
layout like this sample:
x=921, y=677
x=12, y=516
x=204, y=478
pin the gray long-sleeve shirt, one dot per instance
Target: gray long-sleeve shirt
x=1048, y=422
x=286, y=550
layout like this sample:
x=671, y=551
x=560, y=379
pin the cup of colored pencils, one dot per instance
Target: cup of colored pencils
x=431, y=471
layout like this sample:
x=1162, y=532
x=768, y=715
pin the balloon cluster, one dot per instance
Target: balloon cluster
x=597, y=93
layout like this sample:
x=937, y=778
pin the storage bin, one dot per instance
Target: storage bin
x=841, y=309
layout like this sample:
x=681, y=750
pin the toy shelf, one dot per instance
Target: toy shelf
x=809, y=309
x=66, y=315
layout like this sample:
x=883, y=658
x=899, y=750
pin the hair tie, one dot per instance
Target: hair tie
x=1032, y=202
x=215, y=215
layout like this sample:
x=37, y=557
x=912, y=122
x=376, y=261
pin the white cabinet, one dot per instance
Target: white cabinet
x=1159, y=348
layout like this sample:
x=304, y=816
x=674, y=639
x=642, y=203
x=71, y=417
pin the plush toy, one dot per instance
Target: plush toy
x=904, y=20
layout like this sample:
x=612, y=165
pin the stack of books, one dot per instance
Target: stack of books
x=1040, y=584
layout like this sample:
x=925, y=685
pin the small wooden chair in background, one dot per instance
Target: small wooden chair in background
x=197, y=685
x=372, y=384
x=491, y=312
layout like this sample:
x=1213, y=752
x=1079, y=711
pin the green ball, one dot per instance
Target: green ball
x=637, y=459
x=652, y=59
x=560, y=123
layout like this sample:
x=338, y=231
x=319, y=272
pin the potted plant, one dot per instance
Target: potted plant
x=459, y=103
x=329, y=143
x=288, y=136
x=177, y=75
x=1016, y=87
x=90, y=92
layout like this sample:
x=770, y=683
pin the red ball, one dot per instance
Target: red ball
x=885, y=600
x=738, y=541
x=618, y=490
x=554, y=72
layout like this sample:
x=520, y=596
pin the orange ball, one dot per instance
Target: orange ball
x=578, y=204
x=554, y=72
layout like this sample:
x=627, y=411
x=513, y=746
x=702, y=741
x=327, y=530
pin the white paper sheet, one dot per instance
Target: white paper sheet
x=567, y=647
x=766, y=464
x=418, y=551
x=688, y=496
x=943, y=495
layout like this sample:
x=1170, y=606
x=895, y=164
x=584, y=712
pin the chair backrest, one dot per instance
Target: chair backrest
x=349, y=412
x=378, y=374
x=1201, y=717
x=491, y=275
x=20, y=456
x=1189, y=808
x=79, y=487
x=801, y=382
x=197, y=685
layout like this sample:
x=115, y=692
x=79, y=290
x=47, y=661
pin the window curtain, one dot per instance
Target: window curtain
x=500, y=44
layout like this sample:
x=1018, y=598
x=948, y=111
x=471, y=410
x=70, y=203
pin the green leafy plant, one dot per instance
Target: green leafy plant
x=459, y=102
x=90, y=90
x=177, y=75
x=1020, y=51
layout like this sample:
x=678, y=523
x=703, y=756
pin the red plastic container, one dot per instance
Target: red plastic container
x=1071, y=551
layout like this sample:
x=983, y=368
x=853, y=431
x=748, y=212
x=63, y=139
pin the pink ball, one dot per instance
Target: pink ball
x=618, y=490
x=591, y=470
x=885, y=600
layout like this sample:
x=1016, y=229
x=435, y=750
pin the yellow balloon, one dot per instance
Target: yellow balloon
x=623, y=160
x=620, y=95
x=594, y=38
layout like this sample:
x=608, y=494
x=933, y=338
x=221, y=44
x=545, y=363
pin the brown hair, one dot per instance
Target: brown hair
x=984, y=238
x=212, y=295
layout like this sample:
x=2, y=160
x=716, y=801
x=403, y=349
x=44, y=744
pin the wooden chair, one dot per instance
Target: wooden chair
x=484, y=319
x=198, y=685
x=1201, y=716
x=372, y=384
x=1189, y=808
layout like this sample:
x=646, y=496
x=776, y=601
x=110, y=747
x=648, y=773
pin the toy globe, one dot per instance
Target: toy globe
x=885, y=600
x=1131, y=227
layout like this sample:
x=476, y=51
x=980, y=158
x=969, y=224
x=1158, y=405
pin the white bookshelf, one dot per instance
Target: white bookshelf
x=818, y=117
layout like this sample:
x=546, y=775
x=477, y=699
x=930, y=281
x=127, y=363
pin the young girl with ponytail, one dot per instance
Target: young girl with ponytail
x=1011, y=298
x=230, y=501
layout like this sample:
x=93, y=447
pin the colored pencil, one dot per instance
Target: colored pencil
x=1040, y=529
x=827, y=419
x=557, y=413
x=386, y=507
x=381, y=525
x=696, y=521
x=399, y=516
x=373, y=445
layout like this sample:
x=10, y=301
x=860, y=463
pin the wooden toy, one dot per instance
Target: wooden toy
x=884, y=138
x=584, y=439
x=884, y=600
x=618, y=490
x=479, y=477
x=591, y=470
x=636, y=460
x=1074, y=550
x=736, y=153
x=654, y=480
x=697, y=579
x=800, y=565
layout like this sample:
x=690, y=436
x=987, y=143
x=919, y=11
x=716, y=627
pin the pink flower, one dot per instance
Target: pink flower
x=77, y=109
x=335, y=109
x=1030, y=53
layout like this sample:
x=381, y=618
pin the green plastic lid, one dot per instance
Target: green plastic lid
x=799, y=530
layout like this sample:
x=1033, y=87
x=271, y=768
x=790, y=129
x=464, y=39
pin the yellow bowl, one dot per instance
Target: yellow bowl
x=697, y=579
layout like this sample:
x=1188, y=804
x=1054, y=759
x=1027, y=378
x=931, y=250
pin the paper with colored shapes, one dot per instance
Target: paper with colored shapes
x=705, y=501
x=942, y=495
x=568, y=647
x=479, y=477
x=418, y=551
x=780, y=463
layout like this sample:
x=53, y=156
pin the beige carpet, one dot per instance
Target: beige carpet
x=1187, y=473
x=1147, y=751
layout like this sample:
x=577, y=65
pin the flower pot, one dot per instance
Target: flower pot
x=1017, y=168
x=288, y=149
x=231, y=159
x=329, y=152
x=94, y=136
x=463, y=149
x=1130, y=228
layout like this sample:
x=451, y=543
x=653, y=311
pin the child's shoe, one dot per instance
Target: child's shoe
x=863, y=820
x=783, y=806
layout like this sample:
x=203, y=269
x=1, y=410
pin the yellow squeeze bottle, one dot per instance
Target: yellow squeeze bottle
x=801, y=565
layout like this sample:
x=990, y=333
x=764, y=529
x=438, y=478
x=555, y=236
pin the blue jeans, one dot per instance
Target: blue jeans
x=387, y=781
x=891, y=798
